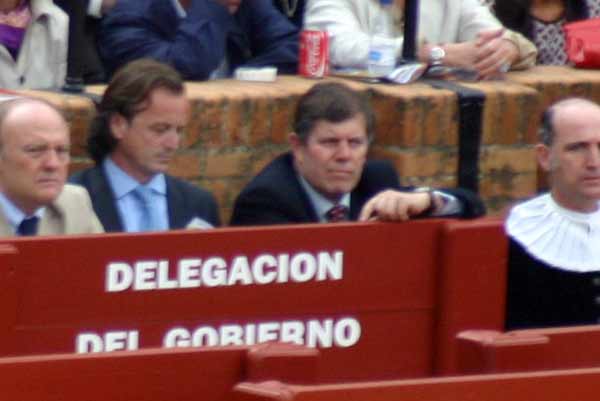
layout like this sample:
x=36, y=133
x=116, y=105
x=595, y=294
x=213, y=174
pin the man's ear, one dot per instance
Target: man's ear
x=296, y=145
x=118, y=125
x=542, y=153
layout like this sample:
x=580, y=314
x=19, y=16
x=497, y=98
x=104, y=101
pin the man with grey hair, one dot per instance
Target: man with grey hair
x=34, y=158
x=554, y=261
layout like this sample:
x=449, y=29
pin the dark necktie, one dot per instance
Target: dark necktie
x=28, y=226
x=337, y=213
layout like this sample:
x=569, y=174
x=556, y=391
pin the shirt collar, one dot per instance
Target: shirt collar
x=13, y=214
x=122, y=183
x=179, y=9
x=320, y=203
x=41, y=7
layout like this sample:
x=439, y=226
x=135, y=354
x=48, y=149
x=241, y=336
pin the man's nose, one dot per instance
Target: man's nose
x=343, y=150
x=172, y=140
x=593, y=159
x=52, y=159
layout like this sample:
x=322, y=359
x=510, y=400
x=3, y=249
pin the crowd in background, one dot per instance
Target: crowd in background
x=207, y=39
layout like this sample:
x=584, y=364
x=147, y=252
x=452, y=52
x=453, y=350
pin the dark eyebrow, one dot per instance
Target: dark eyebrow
x=573, y=145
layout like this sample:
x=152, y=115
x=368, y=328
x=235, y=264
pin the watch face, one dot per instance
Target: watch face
x=436, y=54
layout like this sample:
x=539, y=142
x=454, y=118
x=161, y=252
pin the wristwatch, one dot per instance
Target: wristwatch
x=436, y=55
x=436, y=202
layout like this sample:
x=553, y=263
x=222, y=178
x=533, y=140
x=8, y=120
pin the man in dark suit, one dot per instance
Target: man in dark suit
x=133, y=138
x=293, y=9
x=84, y=19
x=202, y=39
x=327, y=177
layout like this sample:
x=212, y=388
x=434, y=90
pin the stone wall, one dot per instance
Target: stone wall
x=237, y=127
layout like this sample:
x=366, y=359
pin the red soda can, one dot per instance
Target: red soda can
x=314, y=54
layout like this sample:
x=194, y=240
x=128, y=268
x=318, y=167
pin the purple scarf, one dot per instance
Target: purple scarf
x=13, y=26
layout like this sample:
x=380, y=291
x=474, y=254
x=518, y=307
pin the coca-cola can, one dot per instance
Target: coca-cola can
x=314, y=54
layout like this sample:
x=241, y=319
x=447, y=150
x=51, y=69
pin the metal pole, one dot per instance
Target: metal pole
x=77, y=10
x=411, y=27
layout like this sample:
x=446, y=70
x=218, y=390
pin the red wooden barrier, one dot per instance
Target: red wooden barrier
x=531, y=349
x=471, y=287
x=354, y=291
x=563, y=385
x=147, y=375
x=366, y=295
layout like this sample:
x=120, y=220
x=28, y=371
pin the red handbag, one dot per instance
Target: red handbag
x=582, y=43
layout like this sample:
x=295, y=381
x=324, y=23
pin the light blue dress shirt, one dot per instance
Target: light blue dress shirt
x=320, y=203
x=128, y=205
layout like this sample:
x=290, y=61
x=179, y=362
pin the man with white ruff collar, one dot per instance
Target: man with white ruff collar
x=554, y=260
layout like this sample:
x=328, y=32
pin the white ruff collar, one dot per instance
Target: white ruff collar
x=562, y=238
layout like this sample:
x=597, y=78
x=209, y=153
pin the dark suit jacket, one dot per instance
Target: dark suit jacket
x=275, y=196
x=184, y=200
x=256, y=35
x=298, y=17
x=83, y=50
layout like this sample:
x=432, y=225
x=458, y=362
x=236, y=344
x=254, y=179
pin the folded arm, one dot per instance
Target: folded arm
x=194, y=45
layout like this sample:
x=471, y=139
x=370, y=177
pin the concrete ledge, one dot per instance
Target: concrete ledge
x=237, y=127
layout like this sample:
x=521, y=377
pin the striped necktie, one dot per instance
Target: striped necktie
x=337, y=213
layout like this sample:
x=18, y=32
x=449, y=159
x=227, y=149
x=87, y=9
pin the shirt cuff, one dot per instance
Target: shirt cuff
x=452, y=206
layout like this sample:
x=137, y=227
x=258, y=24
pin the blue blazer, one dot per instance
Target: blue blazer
x=256, y=35
x=184, y=201
x=275, y=195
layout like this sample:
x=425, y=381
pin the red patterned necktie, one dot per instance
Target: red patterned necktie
x=337, y=213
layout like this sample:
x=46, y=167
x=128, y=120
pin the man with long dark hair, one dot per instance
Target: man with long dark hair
x=133, y=138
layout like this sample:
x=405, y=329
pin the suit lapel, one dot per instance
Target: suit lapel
x=356, y=204
x=295, y=193
x=178, y=218
x=103, y=200
x=52, y=223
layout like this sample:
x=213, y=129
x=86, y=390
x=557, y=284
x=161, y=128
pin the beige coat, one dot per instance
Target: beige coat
x=42, y=60
x=350, y=24
x=71, y=213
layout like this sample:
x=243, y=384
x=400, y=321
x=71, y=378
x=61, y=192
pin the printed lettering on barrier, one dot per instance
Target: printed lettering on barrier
x=342, y=289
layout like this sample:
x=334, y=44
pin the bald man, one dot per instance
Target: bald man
x=554, y=261
x=34, y=158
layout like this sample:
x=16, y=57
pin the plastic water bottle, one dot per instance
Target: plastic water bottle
x=382, y=50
